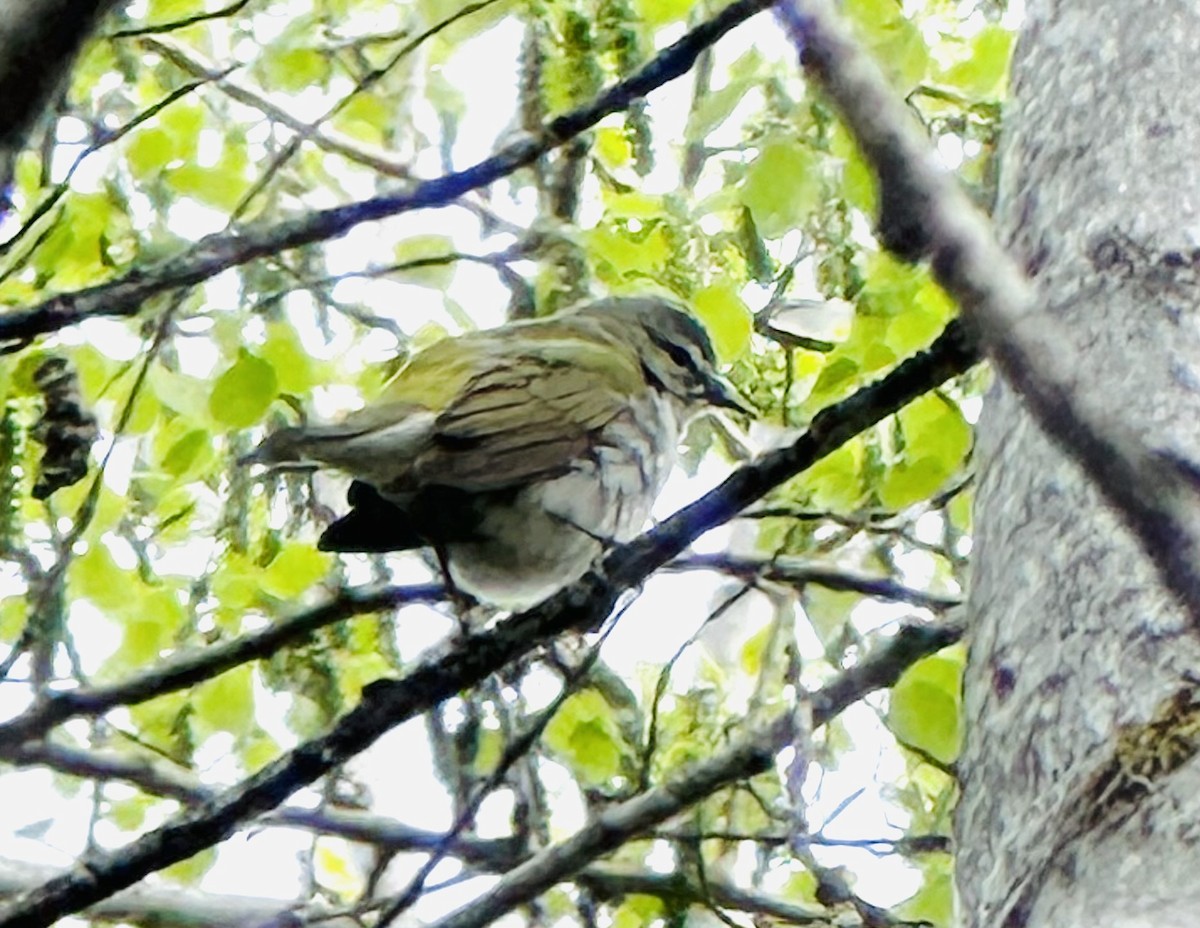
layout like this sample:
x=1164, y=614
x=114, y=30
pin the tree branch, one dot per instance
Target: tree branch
x=677, y=889
x=750, y=754
x=190, y=62
x=158, y=778
x=925, y=213
x=202, y=664
x=388, y=703
x=219, y=252
x=799, y=572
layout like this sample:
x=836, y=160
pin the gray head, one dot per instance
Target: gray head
x=677, y=356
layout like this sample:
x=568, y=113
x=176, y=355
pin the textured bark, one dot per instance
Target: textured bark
x=1081, y=799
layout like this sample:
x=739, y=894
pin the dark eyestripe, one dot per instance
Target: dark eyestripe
x=680, y=355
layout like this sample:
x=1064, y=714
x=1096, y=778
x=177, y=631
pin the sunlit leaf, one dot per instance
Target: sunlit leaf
x=782, y=186
x=924, y=707
x=242, y=394
x=727, y=318
x=226, y=703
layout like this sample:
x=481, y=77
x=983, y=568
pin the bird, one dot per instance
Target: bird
x=519, y=452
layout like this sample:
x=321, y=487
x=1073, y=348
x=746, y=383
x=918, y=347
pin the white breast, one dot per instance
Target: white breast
x=551, y=533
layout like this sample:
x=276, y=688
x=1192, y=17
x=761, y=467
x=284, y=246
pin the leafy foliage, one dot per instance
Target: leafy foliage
x=734, y=190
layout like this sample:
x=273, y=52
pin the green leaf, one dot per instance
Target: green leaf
x=173, y=137
x=633, y=204
x=858, y=179
x=189, y=872
x=924, y=708
x=12, y=617
x=829, y=610
x=185, y=395
x=936, y=441
x=782, y=186
x=753, y=650
x=162, y=10
x=636, y=911
x=613, y=147
x=620, y=254
x=158, y=720
x=363, y=118
x=934, y=901
x=294, y=367
x=151, y=620
x=128, y=814
x=718, y=105
x=982, y=74
x=227, y=702
x=584, y=732
x=144, y=640
x=726, y=317
x=76, y=251
x=96, y=576
x=914, y=331
x=149, y=151
x=660, y=12
x=242, y=394
x=296, y=568
x=144, y=414
x=183, y=121
x=220, y=186
x=235, y=584
x=895, y=42
x=184, y=453
x=292, y=69
x=836, y=482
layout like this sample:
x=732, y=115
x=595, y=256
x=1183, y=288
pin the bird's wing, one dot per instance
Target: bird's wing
x=525, y=419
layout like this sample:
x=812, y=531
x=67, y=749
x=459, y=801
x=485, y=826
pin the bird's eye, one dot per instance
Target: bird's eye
x=677, y=353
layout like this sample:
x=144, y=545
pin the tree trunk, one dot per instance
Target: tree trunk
x=1081, y=803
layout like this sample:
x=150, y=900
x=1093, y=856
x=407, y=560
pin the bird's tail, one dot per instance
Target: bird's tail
x=310, y=446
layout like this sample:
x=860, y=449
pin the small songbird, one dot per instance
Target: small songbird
x=518, y=452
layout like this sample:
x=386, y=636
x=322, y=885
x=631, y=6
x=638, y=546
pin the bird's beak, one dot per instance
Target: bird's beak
x=720, y=392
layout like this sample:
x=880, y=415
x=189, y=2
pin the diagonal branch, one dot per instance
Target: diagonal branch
x=203, y=664
x=800, y=572
x=925, y=213
x=213, y=254
x=388, y=703
x=191, y=63
x=753, y=752
x=159, y=778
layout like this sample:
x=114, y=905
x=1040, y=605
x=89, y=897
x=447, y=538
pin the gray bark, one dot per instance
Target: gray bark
x=1081, y=797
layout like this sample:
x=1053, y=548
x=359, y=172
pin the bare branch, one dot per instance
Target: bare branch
x=190, y=62
x=158, y=778
x=797, y=572
x=183, y=23
x=203, y=664
x=676, y=888
x=213, y=254
x=752, y=753
x=925, y=213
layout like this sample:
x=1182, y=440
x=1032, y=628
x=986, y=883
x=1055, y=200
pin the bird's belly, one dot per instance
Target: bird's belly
x=546, y=536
